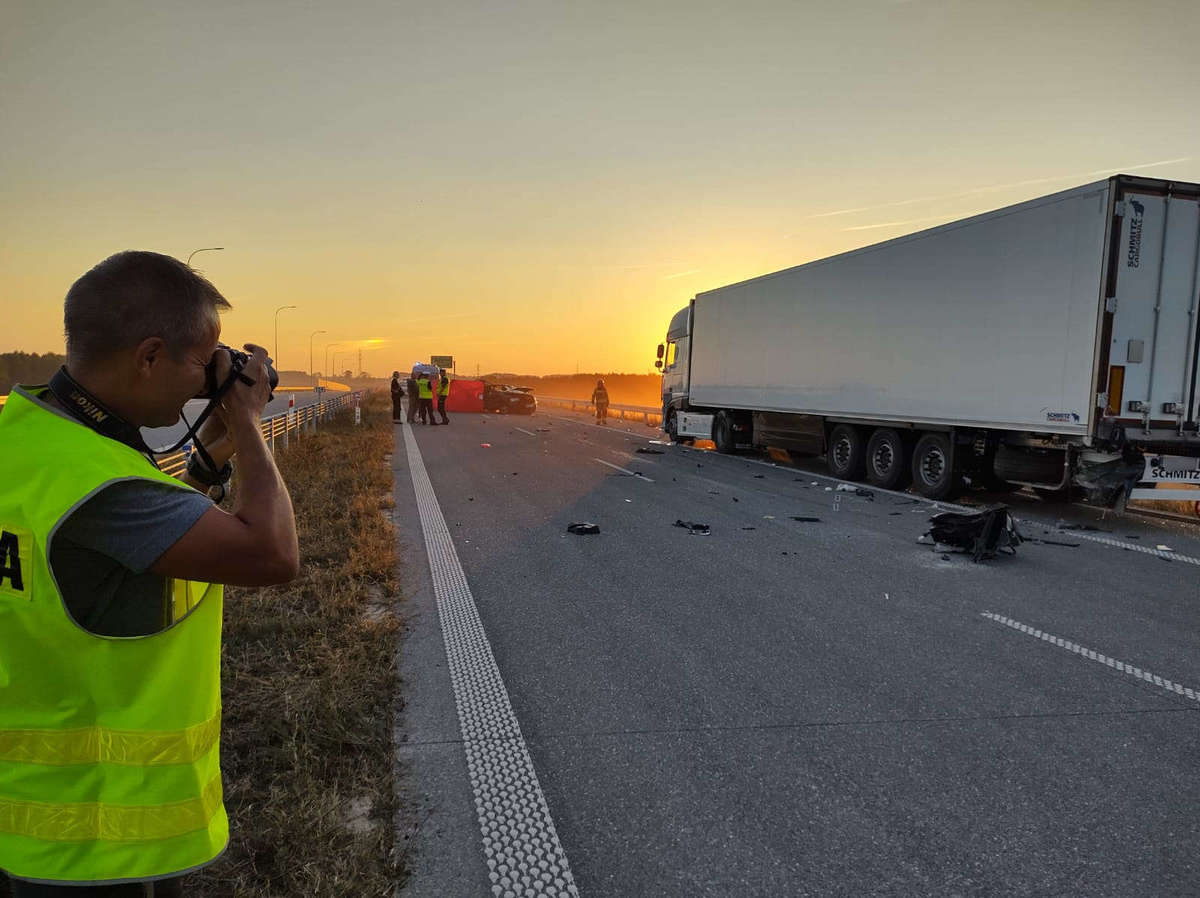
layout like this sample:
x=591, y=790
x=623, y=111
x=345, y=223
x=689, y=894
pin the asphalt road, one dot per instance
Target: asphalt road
x=799, y=708
x=162, y=437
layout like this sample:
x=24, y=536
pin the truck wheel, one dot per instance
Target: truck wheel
x=672, y=426
x=723, y=432
x=888, y=464
x=933, y=471
x=847, y=453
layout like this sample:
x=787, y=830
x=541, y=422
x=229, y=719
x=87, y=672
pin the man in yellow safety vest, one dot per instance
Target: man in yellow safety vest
x=442, y=393
x=425, y=394
x=110, y=586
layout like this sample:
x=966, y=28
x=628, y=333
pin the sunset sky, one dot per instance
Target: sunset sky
x=537, y=186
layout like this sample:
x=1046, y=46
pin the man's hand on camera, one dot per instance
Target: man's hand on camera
x=243, y=404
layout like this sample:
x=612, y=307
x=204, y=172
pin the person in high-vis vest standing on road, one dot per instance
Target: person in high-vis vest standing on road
x=425, y=392
x=111, y=576
x=442, y=393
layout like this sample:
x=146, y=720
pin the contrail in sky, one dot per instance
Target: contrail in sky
x=682, y=274
x=994, y=188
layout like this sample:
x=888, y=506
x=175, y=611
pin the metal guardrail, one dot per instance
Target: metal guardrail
x=651, y=416
x=283, y=427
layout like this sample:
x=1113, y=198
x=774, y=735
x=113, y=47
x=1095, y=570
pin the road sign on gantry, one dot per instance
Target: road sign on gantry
x=442, y=361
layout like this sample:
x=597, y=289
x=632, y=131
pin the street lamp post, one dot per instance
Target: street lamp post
x=328, y=346
x=277, y=311
x=203, y=249
x=311, y=373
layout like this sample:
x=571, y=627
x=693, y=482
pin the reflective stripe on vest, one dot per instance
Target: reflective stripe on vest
x=93, y=821
x=109, y=747
x=101, y=745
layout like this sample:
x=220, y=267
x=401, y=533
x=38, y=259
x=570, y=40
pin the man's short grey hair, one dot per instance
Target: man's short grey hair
x=134, y=295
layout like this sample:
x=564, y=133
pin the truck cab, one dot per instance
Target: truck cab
x=673, y=359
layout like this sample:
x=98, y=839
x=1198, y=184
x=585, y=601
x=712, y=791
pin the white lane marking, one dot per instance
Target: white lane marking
x=1168, y=685
x=936, y=506
x=520, y=844
x=1122, y=544
x=523, y=430
x=624, y=470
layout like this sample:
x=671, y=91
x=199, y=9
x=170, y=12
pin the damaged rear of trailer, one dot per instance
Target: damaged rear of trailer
x=1052, y=343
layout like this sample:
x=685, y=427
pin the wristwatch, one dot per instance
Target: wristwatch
x=201, y=473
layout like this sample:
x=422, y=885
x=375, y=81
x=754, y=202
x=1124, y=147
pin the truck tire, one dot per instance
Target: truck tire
x=672, y=427
x=846, y=457
x=888, y=464
x=933, y=471
x=723, y=432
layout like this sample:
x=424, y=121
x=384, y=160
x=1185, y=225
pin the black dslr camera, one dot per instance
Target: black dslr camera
x=238, y=360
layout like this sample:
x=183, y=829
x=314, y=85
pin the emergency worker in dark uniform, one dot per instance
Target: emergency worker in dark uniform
x=397, y=396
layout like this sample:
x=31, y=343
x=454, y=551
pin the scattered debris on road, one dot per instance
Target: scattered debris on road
x=691, y=527
x=857, y=490
x=485, y=445
x=583, y=528
x=981, y=534
x=642, y=450
x=805, y=519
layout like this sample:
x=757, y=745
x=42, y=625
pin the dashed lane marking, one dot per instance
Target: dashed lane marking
x=1136, y=672
x=1122, y=544
x=523, y=430
x=637, y=474
x=520, y=844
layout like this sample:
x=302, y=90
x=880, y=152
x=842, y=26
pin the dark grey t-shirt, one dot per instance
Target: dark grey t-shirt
x=101, y=553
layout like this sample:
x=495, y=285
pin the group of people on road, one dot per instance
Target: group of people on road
x=422, y=386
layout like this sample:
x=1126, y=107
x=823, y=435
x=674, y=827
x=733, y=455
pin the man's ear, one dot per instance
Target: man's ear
x=149, y=353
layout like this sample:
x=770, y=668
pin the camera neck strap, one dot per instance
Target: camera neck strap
x=87, y=409
x=82, y=405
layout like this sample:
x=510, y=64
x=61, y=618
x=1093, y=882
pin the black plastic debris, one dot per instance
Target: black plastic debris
x=1087, y=528
x=759, y=476
x=805, y=519
x=692, y=527
x=981, y=534
x=735, y=498
x=642, y=450
x=584, y=528
x=749, y=528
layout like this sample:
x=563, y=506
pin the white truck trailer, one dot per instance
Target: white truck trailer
x=1051, y=343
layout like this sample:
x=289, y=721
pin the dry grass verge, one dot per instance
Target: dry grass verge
x=309, y=686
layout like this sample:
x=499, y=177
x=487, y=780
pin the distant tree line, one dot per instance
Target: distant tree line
x=27, y=368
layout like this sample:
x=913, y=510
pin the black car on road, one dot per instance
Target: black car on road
x=508, y=400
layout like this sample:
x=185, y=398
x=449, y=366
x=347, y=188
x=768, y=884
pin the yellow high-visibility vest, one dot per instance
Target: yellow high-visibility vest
x=444, y=387
x=109, y=746
x=424, y=388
